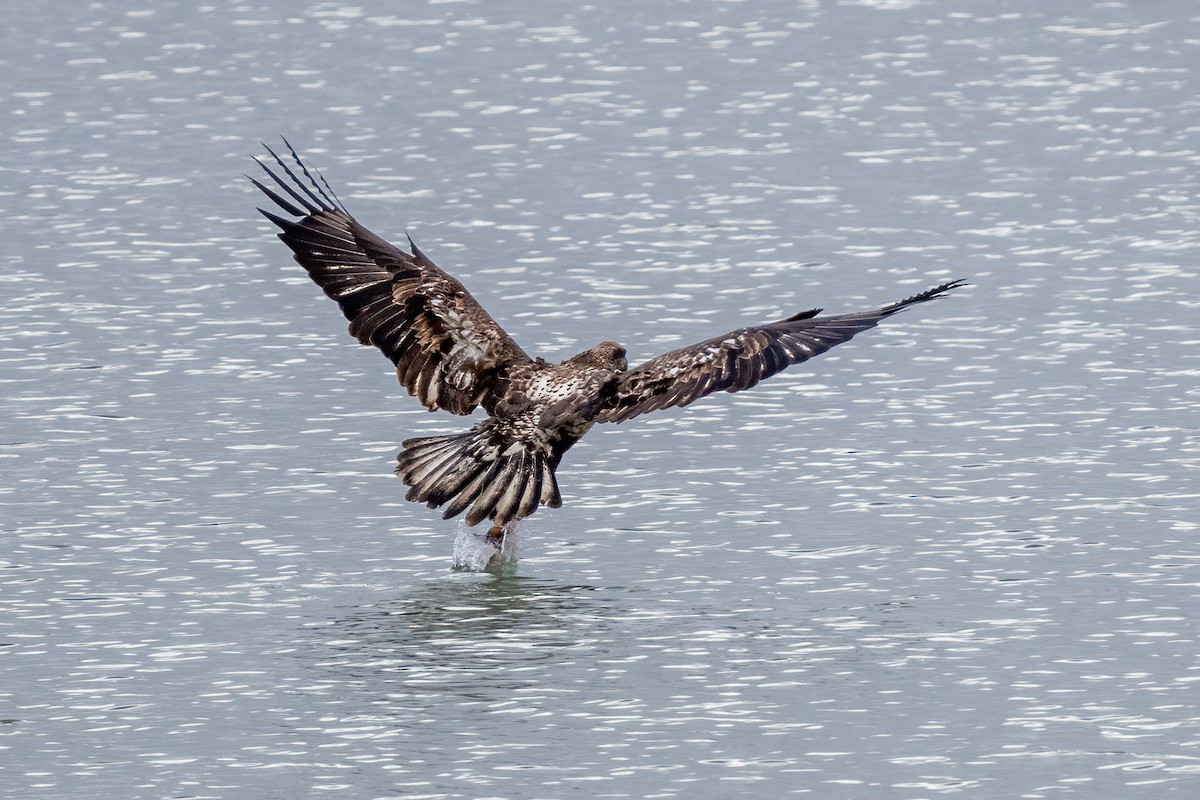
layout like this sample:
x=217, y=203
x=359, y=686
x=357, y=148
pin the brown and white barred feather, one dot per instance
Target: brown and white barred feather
x=741, y=358
x=449, y=353
x=502, y=469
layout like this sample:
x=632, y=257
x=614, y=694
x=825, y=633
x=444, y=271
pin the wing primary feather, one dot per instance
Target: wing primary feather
x=420, y=257
x=287, y=225
x=296, y=234
x=321, y=205
x=929, y=294
x=304, y=202
x=284, y=204
x=333, y=201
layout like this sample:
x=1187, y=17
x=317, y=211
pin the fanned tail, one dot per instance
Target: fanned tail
x=497, y=474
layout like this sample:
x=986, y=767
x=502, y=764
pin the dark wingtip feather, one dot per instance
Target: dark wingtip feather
x=309, y=208
x=927, y=295
x=812, y=312
x=420, y=257
x=937, y=291
x=279, y=201
x=314, y=202
x=285, y=224
x=329, y=197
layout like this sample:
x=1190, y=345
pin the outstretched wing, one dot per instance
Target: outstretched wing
x=742, y=358
x=449, y=353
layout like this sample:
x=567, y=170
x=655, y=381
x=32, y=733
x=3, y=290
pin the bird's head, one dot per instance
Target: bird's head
x=606, y=355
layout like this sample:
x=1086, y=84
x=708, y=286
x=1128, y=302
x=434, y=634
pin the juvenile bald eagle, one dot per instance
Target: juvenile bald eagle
x=451, y=355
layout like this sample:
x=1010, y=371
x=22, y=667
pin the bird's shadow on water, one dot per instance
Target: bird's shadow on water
x=468, y=635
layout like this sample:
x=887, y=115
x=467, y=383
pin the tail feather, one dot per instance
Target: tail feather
x=450, y=482
x=489, y=471
x=509, y=503
x=490, y=496
x=533, y=491
x=430, y=468
x=550, y=497
x=430, y=462
x=471, y=491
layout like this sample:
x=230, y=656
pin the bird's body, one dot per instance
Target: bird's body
x=505, y=465
x=451, y=355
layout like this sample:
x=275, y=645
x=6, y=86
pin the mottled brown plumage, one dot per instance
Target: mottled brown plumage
x=450, y=354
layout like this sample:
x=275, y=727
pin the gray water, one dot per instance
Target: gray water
x=957, y=556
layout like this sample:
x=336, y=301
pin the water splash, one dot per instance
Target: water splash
x=474, y=552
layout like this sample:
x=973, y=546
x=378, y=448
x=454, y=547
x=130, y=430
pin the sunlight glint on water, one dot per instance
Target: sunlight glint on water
x=956, y=557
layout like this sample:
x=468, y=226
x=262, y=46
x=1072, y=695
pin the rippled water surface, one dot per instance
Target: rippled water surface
x=957, y=556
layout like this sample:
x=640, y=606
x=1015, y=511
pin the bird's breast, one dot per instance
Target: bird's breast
x=560, y=382
x=565, y=396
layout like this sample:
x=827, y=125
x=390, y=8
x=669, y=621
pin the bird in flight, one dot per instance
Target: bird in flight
x=452, y=355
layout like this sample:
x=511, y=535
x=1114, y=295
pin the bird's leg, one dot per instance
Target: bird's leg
x=502, y=540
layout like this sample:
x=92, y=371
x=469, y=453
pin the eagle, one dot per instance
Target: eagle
x=453, y=356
